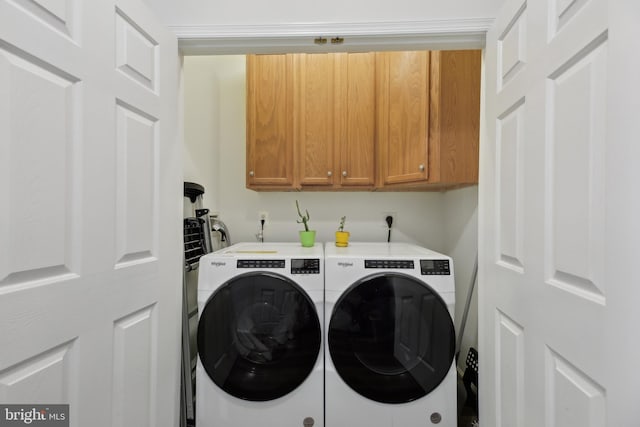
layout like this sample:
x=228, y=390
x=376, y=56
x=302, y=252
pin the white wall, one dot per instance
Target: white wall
x=279, y=12
x=461, y=243
x=201, y=126
x=215, y=157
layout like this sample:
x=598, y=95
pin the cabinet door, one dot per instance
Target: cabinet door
x=455, y=116
x=269, y=124
x=314, y=118
x=355, y=118
x=403, y=116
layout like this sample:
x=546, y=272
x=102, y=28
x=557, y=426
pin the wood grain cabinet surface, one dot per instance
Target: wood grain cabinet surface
x=269, y=126
x=403, y=116
x=334, y=120
x=428, y=119
x=390, y=121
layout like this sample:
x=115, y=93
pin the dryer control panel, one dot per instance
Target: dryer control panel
x=388, y=263
x=260, y=263
x=435, y=267
x=305, y=266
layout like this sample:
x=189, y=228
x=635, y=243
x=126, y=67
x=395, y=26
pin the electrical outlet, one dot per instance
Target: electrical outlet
x=393, y=215
x=263, y=215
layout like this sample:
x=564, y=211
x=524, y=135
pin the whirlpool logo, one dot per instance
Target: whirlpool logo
x=218, y=263
x=34, y=415
x=345, y=264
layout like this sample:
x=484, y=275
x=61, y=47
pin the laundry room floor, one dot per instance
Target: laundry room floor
x=468, y=417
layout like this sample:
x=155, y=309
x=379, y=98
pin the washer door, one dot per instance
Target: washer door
x=259, y=336
x=391, y=338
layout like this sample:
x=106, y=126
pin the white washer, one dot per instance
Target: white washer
x=390, y=338
x=260, y=336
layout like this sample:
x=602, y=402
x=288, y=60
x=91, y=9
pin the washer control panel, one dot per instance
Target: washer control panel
x=435, y=267
x=260, y=263
x=305, y=266
x=388, y=263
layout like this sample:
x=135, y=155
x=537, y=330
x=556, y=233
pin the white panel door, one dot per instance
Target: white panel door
x=558, y=212
x=90, y=194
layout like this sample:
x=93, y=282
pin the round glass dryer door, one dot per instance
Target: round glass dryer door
x=259, y=336
x=391, y=338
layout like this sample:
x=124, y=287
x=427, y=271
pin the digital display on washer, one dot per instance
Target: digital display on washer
x=305, y=266
x=260, y=263
x=388, y=263
x=434, y=267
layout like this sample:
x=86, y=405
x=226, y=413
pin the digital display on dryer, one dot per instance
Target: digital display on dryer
x=435, y=267
x=305, y=266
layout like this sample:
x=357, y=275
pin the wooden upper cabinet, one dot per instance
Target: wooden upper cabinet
x=455, y=117
x=387, y=120
x=269, y=126
x=403, y=116
x=313, y=79
x=334, y=116
x=355, y=119
x=428, y=119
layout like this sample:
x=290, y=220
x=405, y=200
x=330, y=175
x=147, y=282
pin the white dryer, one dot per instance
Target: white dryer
x=260, y=336
x=390, y=338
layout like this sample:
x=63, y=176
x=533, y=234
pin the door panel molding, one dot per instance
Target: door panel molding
x=545, y=286
x=510, y=378
x=573, y=398
x=90, y=189
x=575, y=174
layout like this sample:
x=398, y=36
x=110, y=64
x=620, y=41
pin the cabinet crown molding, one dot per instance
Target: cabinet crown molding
x=468, y=33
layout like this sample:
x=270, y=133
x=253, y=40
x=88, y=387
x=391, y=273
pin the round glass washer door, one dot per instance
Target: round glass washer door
x=391, y=338
x=259, y=336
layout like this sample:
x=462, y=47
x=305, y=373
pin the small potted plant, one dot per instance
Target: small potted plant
x=307, y=237
x=342, y=237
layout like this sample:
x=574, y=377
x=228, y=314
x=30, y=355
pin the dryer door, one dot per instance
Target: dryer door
x=391, y=338
x=259, y=336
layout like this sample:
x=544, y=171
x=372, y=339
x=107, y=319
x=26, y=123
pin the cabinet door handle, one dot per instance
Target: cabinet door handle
x=251, y=173
x=421, y=167
x=329, y=173
x=344, y=173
